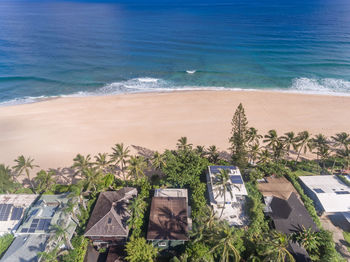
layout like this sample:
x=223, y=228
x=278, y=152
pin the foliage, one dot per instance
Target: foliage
x=308, y=203
x=183, y=167
x=255, y=208
x=24, y=165
x=137, y=209
x=273, y=168
x=198, y=252
x=80, y=244
x=138, y=250
x=43, y=181
x=222, y=185
x=6, y=183
x=198, y=200
x=347, y=238
x=239, y=137
x=274, y=247
x=137, y=165
x=5, y=242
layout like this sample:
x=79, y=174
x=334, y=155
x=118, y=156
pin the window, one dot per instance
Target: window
x=318, y=190
x=109, y=220
x=162, y=244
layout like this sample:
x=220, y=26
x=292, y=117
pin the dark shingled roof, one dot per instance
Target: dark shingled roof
x=168, y=219
x=110, y=214
x=290, y=215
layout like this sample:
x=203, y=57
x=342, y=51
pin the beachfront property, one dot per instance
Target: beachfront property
x=12, y=210
x=330, y=195
x=37, y=234
x=107, y=225
x=233, y=208
x=169, y=218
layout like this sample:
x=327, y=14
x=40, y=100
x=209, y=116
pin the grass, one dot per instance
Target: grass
x=347, y=238
x=304, y=173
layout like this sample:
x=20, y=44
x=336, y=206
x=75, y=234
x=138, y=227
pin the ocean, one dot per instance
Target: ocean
x=80, y=48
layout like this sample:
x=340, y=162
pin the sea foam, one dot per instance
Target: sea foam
x=321, y=86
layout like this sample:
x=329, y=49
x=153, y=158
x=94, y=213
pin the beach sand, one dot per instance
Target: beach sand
x=54, y=131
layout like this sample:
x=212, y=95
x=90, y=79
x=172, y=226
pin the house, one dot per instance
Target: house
x=232, y=208
x=276, y=186
x=331, y=197
x=107, y=225
x=12, y=209
x=36, y=233
x=169, y=219
x=290, y=216
x=328, y=192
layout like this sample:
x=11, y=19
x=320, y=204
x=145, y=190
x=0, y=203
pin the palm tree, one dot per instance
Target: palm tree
x=253, y=152
x=225, y=241
x=25, y=165
x=182, y=144
x=43, y=181
x=50, y=256
x=81, y=163
x=137, y=208
x=158, y=161
x=61, y=233
x=222, y=185
x=307, y=238
x=206, y=225
x=77, y=190
x=253, y=136
x=102, y=162
x=120, y=156
x=322, y=148
x=276, y=244
x=200, y=150
x=137, y=165
x=264, y=156
x=289, y=139
x=304, y=143
x=271, y=139
x=71, y=209
x=92, y=181
x=341, y=142
x=213, y=154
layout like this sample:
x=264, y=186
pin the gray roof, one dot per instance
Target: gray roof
x=25, y=248
x=110, y=215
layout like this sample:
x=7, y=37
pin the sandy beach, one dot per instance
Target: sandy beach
x=54, y=131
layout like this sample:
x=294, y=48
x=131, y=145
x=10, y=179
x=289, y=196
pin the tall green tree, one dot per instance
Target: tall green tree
x=227, y=243
x=120, y=156
x=342, y=144
x=200, y=150
x=253, y=152
x=81, y=163
x=253, y=137
x=157, y=161
x=138, y=250
x=7, y=184
x=25, y=165
x=304, y=143
x=239, y=138
x=137, y=208
x=93, y=180
x=43, y=181
x=307, y=238
x=222, y=185
x=290, y=141
x=182, y=144
x=137, y=166
x=275, y=247
x=213, y=154
x=102, y=162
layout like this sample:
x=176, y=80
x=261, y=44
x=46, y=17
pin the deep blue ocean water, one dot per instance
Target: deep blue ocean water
x=53, y=48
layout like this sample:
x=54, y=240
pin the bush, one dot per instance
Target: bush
x=198, y=252
x=138, y=250
x=80, y=244
x=5, y=242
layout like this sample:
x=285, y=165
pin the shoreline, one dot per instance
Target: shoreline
x=81, y=94
x=54, y=131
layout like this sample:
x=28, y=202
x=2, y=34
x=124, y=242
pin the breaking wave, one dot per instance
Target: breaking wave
x=321, y=86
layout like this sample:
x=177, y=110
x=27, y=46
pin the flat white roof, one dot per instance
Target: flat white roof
x=332, y=193
x=12, y=209
x=233, y=212
x=171, y=192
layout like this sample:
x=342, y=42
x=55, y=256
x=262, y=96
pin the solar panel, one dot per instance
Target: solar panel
x=236, y=179
x=35, y=220
x=24, y=230
x=5, y=212
x=41, y=225
x=17, y=213
x=31, y=230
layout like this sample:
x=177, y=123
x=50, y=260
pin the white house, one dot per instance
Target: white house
x=233, y=208
x=329, y=193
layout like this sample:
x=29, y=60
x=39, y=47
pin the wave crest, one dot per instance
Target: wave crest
x=324, y=85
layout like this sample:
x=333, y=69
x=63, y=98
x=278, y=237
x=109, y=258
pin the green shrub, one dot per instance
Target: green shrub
x=80, y=244
x=5, y=242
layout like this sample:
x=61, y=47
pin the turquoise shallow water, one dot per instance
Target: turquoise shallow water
x=51, y=48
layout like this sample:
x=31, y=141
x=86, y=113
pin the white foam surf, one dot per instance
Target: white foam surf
x=191, y=71
x=326, y=86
